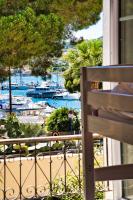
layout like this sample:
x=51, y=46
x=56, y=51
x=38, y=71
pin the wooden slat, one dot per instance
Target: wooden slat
x=112, y=129
x=110, y=73
x=119, y=172
x=110, y=100
x=87, y=141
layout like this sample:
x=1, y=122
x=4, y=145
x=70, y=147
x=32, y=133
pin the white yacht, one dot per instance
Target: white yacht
x=67, y=96
x=45, y=90
x=18, y=102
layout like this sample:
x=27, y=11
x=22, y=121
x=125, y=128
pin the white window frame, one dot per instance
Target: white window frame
x=111, y=57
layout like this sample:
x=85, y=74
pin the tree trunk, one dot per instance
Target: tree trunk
x=10, y=91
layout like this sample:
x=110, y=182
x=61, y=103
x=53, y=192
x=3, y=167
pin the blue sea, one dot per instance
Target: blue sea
x=74, y=104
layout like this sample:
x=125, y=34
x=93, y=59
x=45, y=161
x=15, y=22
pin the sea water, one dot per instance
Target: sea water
x=72, y=104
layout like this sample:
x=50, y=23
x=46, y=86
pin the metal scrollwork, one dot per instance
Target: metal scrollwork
x=10, y=194
x=59, y=156
x=30, y=192
x=41, y=191
x=2, y=193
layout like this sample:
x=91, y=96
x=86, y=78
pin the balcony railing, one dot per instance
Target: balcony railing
x=37, y=168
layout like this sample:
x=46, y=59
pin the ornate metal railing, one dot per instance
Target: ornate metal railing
x=41, y=167
x=36, y=167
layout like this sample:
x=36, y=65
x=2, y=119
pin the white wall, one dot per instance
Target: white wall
x=110, y=57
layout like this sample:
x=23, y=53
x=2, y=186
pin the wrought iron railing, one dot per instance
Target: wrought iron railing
x=41, y=167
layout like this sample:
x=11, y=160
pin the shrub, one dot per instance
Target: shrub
x=30, y=130
x=15, y=129
x=60, y=121
x=12, y=126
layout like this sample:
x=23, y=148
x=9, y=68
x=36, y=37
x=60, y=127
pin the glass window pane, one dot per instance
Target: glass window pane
x=126, y=57
x=126, y=42
x=127, y=158
x=126, y=7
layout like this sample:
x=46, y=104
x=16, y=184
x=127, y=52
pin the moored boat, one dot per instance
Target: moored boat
x=67, y=96
x=45, y=90
x=15, y=86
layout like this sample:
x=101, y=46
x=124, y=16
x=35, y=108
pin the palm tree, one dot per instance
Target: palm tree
x=87, y=53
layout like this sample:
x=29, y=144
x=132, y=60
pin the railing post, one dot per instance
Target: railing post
x=79, y=166
x=87, y=141
x=4, y=173
x=65, y=169
x=35, y=160
x=50, y=162
x=20, y=171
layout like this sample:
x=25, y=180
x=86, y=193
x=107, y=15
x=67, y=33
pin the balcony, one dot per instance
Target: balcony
x=42, y=168
x=51, y=167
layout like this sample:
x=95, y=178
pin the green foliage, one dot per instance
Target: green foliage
x=41, y=64
x=72, y=189
x=59, y=121
x=99, y=194
x=57, y=146
x=32, y=30
x=87, y=53
x=44, y=149
x=76, y=13
x=32, y=130
x=21, y=149
x=12, y=126
x=25, y=35
x=3, y=74
x=15, y=129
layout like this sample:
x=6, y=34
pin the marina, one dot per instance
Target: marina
x=36, y=97
x=47, y=89
x=16, y=86
x=67, y=96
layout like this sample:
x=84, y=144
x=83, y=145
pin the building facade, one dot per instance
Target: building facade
x=118, y=49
